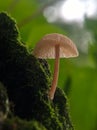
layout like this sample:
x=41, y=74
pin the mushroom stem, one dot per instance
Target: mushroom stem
x=56, y=73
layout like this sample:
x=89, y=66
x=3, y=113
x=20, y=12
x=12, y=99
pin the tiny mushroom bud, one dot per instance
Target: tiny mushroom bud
x=55, y=46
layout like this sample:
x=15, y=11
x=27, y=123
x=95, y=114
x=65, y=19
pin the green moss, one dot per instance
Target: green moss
x=61, y=106
x=7, y=27
x=45, y=66
x=28, y=81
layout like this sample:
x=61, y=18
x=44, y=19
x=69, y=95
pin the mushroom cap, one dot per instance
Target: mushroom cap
x=45, y=48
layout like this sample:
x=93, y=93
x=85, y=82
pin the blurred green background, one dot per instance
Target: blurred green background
x=77, y=77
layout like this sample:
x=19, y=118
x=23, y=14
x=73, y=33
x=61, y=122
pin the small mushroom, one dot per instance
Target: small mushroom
x=55, y=46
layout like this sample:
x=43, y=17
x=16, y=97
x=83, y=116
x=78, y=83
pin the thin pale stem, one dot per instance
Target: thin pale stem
x=56, y=73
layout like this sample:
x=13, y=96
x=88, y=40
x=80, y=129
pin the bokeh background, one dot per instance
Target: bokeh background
x=78, y=20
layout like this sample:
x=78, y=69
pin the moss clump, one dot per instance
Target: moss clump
x=8, y=30
x=28, y=80
x=61, y=106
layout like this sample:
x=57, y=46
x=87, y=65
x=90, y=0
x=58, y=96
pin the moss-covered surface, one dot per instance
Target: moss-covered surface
x=27, y=81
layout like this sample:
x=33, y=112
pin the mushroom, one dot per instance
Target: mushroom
x=55, y=46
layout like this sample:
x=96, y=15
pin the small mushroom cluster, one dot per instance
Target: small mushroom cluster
x=55, y=46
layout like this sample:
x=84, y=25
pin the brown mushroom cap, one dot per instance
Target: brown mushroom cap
x=45, y=48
